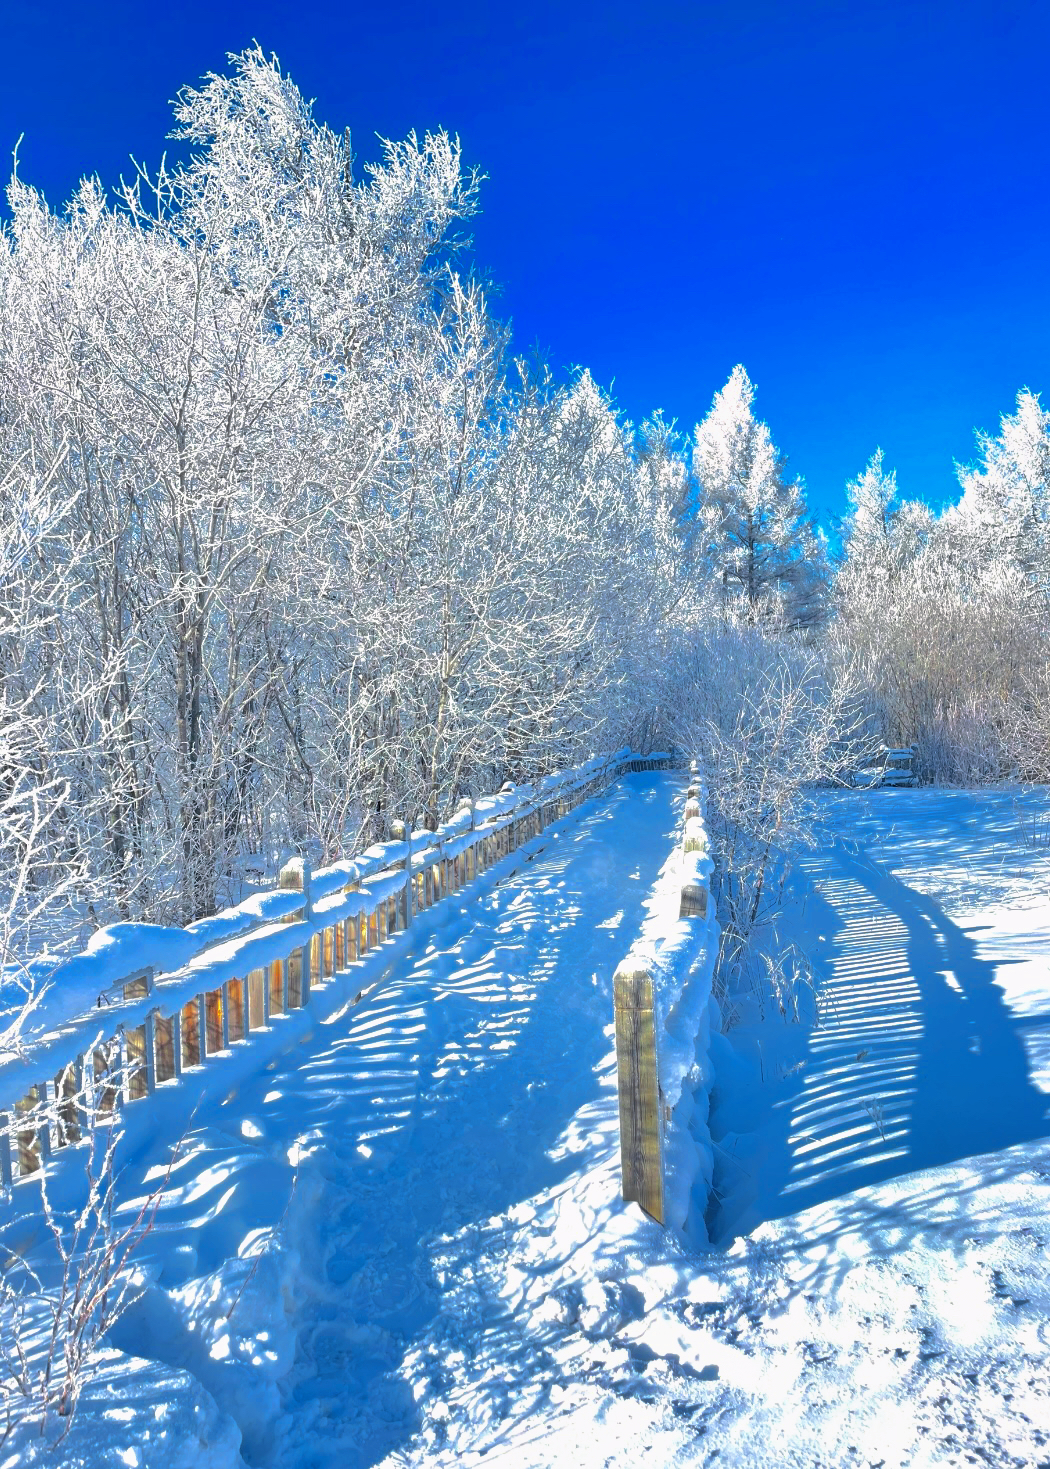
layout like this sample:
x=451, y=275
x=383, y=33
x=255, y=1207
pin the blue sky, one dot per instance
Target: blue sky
x=849, y=198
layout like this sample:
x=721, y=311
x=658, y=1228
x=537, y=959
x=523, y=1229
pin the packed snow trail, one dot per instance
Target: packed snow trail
x=439, y=1103
x=442, y=1104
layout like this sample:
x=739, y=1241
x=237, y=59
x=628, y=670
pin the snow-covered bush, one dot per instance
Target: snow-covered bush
x=54, y=1317
x=772, y=717
x=946, y=617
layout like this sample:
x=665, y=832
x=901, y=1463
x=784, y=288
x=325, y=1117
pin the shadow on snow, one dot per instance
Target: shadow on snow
x=914, y=1061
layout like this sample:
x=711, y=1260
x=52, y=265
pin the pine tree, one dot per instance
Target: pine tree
x=880, y=533
x=751, y=526
x=1006, y=498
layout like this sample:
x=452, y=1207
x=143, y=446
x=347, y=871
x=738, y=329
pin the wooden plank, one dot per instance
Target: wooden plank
x=104, y=1091
x=641, y=1139
x=28, y=1138
x=307, y=977
x=693, y=901
x=190, y=1030
x=233, y=1010
x=165, y=1029
x=6, y=1166
x=214, y=1026
x=69, y=1118
x=151, y=1051
x=257, y=988
x=294, y=967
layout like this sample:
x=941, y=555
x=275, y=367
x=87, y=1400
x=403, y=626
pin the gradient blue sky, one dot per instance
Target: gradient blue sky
x=849, y=198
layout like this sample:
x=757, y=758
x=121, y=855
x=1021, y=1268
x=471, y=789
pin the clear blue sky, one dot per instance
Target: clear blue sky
x=851, y=199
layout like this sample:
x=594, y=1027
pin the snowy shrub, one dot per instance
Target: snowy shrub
x=771, y=717
x=56, y=1313
x=946, y=617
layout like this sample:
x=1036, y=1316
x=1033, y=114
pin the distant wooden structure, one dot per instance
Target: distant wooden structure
x=898, y=767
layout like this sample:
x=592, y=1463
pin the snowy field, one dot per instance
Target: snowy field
x=404, y=1243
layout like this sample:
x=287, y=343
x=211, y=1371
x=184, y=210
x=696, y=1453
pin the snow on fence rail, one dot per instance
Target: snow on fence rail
x=663, y=1010
x=147, y=1008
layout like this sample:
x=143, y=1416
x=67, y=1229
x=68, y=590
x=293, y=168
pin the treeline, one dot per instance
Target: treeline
x=946, y=616
x=291, y=544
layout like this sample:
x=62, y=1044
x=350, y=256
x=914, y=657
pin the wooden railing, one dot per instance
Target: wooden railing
x=244, y=972
x=640, y=1011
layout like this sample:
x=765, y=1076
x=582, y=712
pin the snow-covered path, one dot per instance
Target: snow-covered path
x=449, y=1277
x=453, y=1095
x=443, y=1104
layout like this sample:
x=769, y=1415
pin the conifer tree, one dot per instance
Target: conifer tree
x=751, y=528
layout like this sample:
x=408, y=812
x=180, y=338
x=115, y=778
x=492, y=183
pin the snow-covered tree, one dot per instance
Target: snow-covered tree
x=751, y=527
x=318, y=554
x=1005, y=502
x=943, y=616
x=881, y=534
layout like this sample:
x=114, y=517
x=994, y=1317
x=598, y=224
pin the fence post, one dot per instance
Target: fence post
x=400, y=831
x=693, y=901
x=6, y=1168
x=695, y=838
x=641, y=1126
x=295, y=878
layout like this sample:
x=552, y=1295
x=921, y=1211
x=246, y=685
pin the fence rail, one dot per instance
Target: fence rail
x=641, y=1005
x=241, y=972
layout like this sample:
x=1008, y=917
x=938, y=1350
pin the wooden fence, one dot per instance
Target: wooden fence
x=644, y=1113
x=152, y=1030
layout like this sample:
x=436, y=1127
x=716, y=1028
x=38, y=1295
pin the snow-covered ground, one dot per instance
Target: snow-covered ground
x=404, y=1244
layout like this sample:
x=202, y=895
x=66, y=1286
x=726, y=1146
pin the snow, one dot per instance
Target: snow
x=404, y=1243
x=679, y=955
x=73, y=985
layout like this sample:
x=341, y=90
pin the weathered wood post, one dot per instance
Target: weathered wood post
x=694, y=892
x=694, y=900
x=641, y=1126
x=695, y=838
x=295, y=878
x=6, y=1164
x=400, y=831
